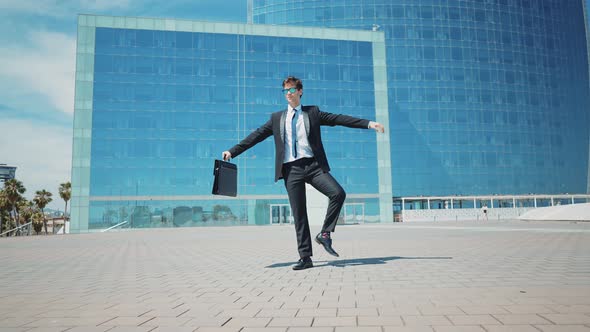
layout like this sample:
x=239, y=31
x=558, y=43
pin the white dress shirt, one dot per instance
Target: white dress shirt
x=303, y=148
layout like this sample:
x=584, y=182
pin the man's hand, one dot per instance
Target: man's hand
x=226, y=155
x=377, y=127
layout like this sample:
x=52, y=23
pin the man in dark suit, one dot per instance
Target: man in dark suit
x=300, y=158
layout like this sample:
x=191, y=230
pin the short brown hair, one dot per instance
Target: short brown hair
x=293, y=80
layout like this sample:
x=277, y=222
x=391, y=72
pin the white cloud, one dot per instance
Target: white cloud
x=45, y=66
x=42, y=154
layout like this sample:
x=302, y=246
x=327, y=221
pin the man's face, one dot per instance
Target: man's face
x=293, y=98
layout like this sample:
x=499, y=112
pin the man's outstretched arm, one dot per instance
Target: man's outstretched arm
x=254, y=138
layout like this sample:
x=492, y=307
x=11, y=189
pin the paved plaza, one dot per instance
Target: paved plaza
x=445, y=276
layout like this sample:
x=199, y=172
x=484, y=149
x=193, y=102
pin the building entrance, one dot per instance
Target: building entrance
x=280, y=214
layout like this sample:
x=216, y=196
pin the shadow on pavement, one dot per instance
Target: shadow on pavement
x=355, y=261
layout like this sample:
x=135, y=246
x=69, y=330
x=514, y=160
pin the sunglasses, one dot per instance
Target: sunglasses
x=290, y=90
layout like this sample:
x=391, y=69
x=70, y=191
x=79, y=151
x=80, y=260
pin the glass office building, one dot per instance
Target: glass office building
x=157, y=100
x=485, y=96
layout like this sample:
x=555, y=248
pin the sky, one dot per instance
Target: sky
x=37, y=67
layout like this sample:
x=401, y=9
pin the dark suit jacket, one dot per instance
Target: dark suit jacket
x=313, y=118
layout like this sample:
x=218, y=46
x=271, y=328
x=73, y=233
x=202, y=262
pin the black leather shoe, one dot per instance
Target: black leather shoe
x=304, y=263
x=327, y=243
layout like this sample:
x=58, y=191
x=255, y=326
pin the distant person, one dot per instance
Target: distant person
x=300, y=158
x=484, y=210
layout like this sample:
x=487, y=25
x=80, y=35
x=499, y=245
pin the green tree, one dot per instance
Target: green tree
x=26, y=209
x=65, y=192
x=42, y=198
x=4, y=210
x=38, y=219
x=14, y=190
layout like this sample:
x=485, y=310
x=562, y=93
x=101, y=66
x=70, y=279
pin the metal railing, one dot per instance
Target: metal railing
x=16, y=228
x=115, y=226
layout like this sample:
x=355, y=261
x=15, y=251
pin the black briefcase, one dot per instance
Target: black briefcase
x=226, y=179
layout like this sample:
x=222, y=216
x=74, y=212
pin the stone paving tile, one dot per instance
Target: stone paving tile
x=397, y=311
x=473, y=320
x=173, y=329
x=291, y=322
x=479, y=310
x=316, y=312
x=69, y=322
x=466, y=328
x=379, y=321
x=264, y=329
x=519, y=274
x=565, y=309
x=334, y=321
x=528, y=309
x=510, y=328
x=12, y=322
x=310, y=329
x=563, y=328
x=436, y=310
x=130, y=329
x=247, y=322
x=218, y=329
x=367, y=312
x=426, y=320
x=519, y=319
x=567, y=318
x=266, y=305
x=357, y=329
x=89, y=329
x=300, y=305
x=166, y=321
x=240, y=312
x=407, y=329
x=277, y=313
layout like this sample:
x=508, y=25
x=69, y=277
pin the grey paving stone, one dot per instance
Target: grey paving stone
x=264, y=329
x=379, y=321
x=521, y=319
x=528, y=309
x=173, y=329
x=317, y=312
x=424, y=275
x=358, y=329
x=563, y=328
x=310, y=329
x=277, y=313
x=334, y=321
x=89, y=329
x=407, y=329
x=291, y=322
x=426, y=320
x=218, y=329
x=473, y=320
x=510, y=328
x=247, y=322
x=574, y=318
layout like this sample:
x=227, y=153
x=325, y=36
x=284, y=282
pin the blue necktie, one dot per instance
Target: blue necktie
x=294, y=133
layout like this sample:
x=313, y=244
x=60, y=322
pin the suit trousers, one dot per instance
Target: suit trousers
x=296, y=174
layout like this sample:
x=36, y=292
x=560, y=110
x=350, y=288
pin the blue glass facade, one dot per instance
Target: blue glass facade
x=162, y=105
x=485, y=97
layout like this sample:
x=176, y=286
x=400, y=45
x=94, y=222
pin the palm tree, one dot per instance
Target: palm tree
x=4, y=208
x=13, y=190
x=38, y=218
x=65, y=192
x=42, y=198
x=26, y=209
